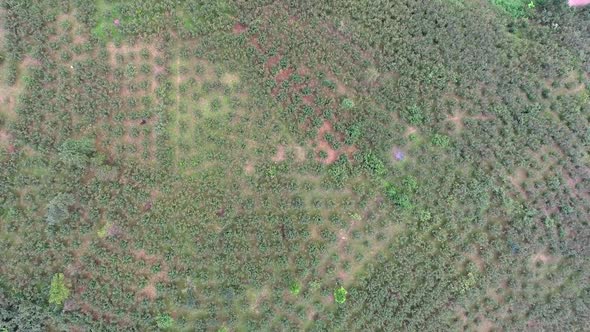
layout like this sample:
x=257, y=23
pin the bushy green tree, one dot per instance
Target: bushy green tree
x=295, y=288
x=59, y=292
x=347, y=103
x=340, y=295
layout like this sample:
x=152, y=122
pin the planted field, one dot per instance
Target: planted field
x=287, y=166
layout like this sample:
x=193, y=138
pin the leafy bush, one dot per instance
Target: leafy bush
x=340, y=295
x=440, y=140
x=413, y=115
x=374, y=164
x=347, y=103
x=59, y=292
x=295, y=288
x=164, y=321
x=76, y=152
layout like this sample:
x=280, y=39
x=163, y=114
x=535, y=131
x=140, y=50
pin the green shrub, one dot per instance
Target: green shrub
x=374, y=164
x=164, y=321
x=59, y=292
x=347, y=103
x=340, y=295
x=295, y=288
x=414, y=115
x=516, y=8
x=76, y=152
x=440, y=140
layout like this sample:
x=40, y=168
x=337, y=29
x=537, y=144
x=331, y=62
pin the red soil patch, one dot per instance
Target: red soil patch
x=332, y=155
x=239, y=28
x=159, y=70
x=29, y=61
x=272, y=61
x=249, y=168
x=142, y=255
x=284, y=75
x=457, y=119
x=308, y=100
x=88, y=310
x=280, y=155
x=518, y=179
x=149, y=292
x=410, y=131
x=576, y=3
x=323, y=145
x=6, y=140
x=254, y=41
x=542, y=257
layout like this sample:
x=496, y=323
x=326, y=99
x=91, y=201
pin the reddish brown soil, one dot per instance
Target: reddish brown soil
x=149, y=292
x=249, y=168
x=254, y=41
x=280, y=155
x=284, y=75
x=142, y=255
x=323, y=145
x=272, y=61
x=308, y=100
x=239, y=28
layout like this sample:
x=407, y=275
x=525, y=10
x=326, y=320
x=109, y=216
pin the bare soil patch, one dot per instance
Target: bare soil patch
x=479, y=262
x=544, y=258
x=148, y=292
x=272, y=61
x=299, y=153
x=518, y=179
x=254, y=42
x=486, y=325
x=142, y=255
x=249, y=168
x=280, y=155
x=230, y=79
x=239, y=28
x=284, y=75
x=308, y=100
x=323, y=145
x=410, y=131
x=458, y=118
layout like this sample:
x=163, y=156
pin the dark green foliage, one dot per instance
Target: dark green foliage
x=18, y=315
